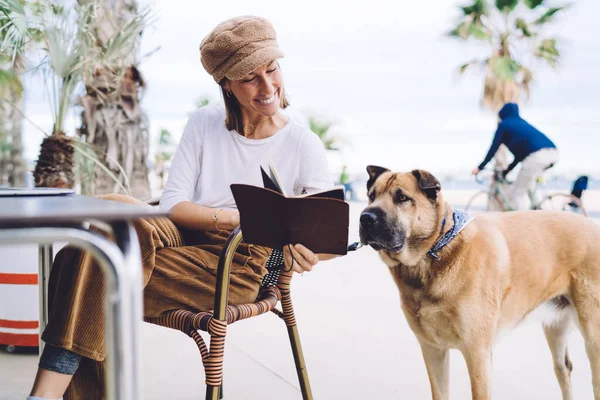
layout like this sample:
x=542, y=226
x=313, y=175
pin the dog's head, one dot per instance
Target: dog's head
x=404, y=209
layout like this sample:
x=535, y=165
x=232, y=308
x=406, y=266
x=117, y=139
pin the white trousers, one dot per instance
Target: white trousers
x=532, y=167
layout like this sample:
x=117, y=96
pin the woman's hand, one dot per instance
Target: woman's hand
x=304, y=259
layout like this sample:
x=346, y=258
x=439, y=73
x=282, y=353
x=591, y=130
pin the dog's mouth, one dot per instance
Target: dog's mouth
x=382, y=237
x=389, y=247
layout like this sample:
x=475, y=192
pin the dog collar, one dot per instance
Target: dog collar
x=461, y=220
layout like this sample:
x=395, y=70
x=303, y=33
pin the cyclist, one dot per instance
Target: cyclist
x=529, y=146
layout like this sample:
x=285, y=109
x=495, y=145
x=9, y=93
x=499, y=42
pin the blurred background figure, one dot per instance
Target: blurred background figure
x=580, y=184
x=348, y=189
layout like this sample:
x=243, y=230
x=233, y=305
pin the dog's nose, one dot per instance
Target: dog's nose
x=368, y=218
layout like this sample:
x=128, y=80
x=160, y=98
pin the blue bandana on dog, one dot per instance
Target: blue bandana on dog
x=460, y=221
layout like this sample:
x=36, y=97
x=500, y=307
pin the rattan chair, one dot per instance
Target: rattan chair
x=215, y=322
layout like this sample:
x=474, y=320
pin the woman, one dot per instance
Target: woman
x=180, y=255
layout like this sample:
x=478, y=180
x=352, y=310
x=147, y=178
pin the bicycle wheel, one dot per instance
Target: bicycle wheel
x=477, y=197
x=562, y=202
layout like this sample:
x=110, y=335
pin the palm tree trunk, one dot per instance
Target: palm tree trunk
x=116, y=125
x=54, y=167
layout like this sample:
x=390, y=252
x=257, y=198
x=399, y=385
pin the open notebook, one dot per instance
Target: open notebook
x=269, y=218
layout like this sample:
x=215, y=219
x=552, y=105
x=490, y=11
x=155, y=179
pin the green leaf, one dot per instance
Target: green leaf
x=13, y=26
x=467, y=29
x=505, y=68
x=547, y=51
x=477, y=8
x=463, y=68
x=35, y=34
x=506, y=6
x=523, y=27
x=549, y=46
x=533, y=3
x=461, y=31
x=86, y=151
x=479, y=33
x=548, y=15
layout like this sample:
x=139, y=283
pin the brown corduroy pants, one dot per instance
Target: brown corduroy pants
x=179, y=272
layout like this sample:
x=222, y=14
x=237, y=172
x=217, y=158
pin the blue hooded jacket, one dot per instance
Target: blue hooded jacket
x=521, y=138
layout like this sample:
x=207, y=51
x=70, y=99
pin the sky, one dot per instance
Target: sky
x=383, y=71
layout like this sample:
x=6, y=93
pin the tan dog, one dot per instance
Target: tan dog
x=499, y=268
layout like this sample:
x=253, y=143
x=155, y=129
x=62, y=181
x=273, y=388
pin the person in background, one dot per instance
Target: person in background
x=345, y=180
x=529, y=146
x=579, y=186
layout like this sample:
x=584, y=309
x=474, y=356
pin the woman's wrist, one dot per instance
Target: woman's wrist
x=216, y=218
x=225, y=220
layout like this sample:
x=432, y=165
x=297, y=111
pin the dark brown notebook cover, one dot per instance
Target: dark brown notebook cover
x=318, y=221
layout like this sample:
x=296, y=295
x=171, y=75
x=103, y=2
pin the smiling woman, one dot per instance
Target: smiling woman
x=219, y=147
x=251, y=95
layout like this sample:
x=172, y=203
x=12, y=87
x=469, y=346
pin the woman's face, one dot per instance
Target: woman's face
x=260, y=90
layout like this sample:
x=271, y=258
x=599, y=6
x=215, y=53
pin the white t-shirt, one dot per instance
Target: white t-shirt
x=209, y=158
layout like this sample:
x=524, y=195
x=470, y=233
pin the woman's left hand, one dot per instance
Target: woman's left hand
x=304, y=259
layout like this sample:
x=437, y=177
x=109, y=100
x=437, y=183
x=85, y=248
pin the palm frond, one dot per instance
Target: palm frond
x=463, y=68
x=13, y=28
x=521, y=25
x=461, y=31
x=506, y=6
x=63, y=54
x=319, y=127
x=124, y=41
x=477, y=8
x=533, y=3
x=322, y=129
x=89, y=161
x=549, y=15
x=526, y=79
x=548, y=52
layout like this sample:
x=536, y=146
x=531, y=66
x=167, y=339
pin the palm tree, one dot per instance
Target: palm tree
x=64, y=33
x=514, y=31
x=74, y=55
x=112, y=120
x=321, y=128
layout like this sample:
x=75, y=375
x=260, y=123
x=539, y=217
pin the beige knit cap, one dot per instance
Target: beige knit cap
x=238, y=46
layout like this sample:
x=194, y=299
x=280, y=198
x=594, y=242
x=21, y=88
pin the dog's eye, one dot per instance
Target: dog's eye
x=372, y=196
x=400, y=197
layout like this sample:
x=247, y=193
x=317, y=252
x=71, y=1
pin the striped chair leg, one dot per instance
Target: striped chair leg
x=218, y=329
x=213, y=365
x=290, y=321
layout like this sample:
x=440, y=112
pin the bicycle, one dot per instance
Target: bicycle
x=499, y=198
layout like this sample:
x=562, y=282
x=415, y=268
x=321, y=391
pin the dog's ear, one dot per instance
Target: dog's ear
x=374, y=172
x=428, y=183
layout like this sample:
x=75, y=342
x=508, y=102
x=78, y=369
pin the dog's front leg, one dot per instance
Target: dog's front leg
x=437, y=362
x=479, y=365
